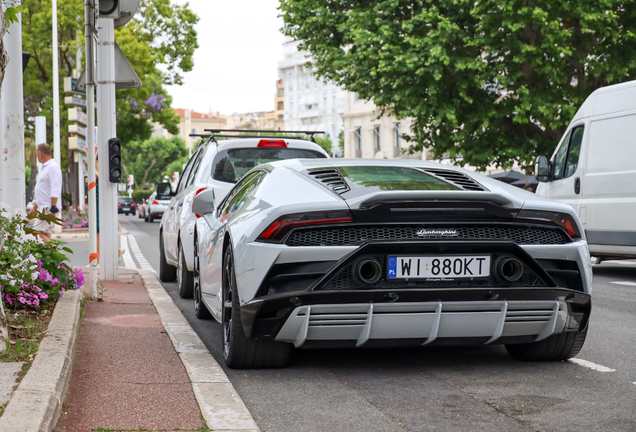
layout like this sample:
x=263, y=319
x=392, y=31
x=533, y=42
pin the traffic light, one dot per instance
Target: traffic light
x=109, y=9
x=114, y=160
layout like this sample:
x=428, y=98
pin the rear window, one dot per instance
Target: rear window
x=230, y=165
x=125, y=200
x=393, y=179
x=163, y=197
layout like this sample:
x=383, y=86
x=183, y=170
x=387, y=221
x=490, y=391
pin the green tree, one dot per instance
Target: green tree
x=147, y=160
x=324, y=142
x=494, y=81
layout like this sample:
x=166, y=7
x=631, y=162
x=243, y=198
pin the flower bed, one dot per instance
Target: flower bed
x=75, y=217
x=33, y=275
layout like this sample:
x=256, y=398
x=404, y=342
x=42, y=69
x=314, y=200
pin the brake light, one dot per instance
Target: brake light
x=277, y=230
x=272, y=143
x=132, y=203
x=118, y=204
x=195, y=194
x=155, y=202
x=563, y=220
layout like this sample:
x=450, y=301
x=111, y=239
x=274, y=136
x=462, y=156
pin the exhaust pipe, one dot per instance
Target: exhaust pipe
x=369, y=271
x=510, y=269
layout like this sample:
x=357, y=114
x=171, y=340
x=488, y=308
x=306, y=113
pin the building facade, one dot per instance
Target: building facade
x=310, y=103
x=369, y=135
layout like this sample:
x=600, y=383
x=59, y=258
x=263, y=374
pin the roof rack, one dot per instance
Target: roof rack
x=215, y=133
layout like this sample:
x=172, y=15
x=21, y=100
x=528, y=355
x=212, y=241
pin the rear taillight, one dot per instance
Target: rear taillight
x=271, y=143
x=563, y=220
x=133, y=204
x=195, y=194
x=281, y=226
x=118, y=204
x=155, y=202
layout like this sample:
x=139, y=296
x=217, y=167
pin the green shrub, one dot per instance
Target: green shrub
x=140, y=195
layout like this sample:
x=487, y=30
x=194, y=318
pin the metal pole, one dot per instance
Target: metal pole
x=89, y=25
x=106, y=114
x=12, y=183
x=57, y=153
x=40, y=134
x=258, y=123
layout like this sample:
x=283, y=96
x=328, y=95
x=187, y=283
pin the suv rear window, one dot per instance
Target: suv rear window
x=230, y=165
x=124, y=200
x=393, y=178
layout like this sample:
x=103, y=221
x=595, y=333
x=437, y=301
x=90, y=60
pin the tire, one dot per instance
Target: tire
x=240, y=351
x=185, y=278
x=200, y=309
x=556, y=347
x=126, y=214
x=150, y=218
x=167, y=273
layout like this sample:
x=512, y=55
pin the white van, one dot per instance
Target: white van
x=594, y=170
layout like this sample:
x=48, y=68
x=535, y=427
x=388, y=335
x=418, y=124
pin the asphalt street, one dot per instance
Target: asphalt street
x=436, y=389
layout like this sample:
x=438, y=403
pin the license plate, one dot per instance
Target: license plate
x=424, y=267
x=125, y=208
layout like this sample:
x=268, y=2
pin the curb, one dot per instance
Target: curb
x=37, y=402
x=221, y=407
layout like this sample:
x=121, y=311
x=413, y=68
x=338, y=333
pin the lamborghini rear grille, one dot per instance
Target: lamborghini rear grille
x=345, y=280
x=345, y=236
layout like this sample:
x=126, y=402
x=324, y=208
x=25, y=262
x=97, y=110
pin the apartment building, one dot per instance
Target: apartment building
x=309, y=103
x=369, y=135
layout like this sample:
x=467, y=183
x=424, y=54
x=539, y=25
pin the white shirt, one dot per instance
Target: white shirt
x=49, y=184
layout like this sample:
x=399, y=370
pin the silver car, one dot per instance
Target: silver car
x=156, y=206
x=216, y=167
x=365, y=253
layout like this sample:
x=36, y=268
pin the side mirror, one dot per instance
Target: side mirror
x=164, y=189
x=542, y=169
x=203, y=203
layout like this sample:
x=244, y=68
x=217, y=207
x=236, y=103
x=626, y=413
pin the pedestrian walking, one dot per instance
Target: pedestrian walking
x=48, y=190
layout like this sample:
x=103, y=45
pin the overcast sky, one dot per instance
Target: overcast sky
x=235, y=66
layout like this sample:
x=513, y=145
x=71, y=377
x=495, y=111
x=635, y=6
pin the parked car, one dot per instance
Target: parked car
x=592, y=170
x=126, y=205
x=156, y=206
x=214, y=166
x=314, y=253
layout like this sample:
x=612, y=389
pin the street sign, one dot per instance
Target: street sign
x=76, y=144
x=70, y=86
x=131, y=180
x=125, y=75
x=77, y=129
x=77, y=115
x=74, y=101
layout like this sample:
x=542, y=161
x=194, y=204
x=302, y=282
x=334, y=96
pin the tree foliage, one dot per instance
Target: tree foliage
x=149, y=160
x=494, y=81
x=159, y=43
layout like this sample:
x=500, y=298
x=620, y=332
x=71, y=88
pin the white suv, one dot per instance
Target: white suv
x=216, y=165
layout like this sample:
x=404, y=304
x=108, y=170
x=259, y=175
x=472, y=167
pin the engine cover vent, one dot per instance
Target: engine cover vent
x=331, y=178
x=457, y=178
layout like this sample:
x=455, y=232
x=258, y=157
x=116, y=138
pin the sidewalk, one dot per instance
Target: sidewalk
x=126, y=373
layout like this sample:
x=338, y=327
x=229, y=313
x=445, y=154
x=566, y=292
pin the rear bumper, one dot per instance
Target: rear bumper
x=417, y=317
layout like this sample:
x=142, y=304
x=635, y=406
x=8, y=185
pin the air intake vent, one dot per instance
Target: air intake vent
x=457, y=178
x=331, y=178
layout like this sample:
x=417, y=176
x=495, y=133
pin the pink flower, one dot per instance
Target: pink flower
x=21, y=300
x=44, y=295
x=9, y=299
x=55, y=281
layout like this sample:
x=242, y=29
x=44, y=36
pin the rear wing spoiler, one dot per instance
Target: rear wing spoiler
x=254, y=133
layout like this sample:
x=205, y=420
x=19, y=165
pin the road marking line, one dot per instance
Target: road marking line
x=590, y=365
x=134, y=247
x=624, y=283
x=128, y=259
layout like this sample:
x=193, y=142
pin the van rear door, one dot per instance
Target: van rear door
x=567, y=168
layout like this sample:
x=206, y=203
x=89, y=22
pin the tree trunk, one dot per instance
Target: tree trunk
x=4, y=60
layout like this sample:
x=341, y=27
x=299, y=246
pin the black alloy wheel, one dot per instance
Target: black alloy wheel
x=200, y=309
x=240, y=351
x=184, y=276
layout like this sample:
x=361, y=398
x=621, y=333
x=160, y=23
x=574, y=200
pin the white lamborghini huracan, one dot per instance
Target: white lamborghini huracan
x=350, y=253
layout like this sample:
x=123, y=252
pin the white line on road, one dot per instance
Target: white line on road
x=590, y=365
x=134, y=247
x=128, y=259
x=624, y=283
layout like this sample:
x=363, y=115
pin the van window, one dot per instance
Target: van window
x=566, y=159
